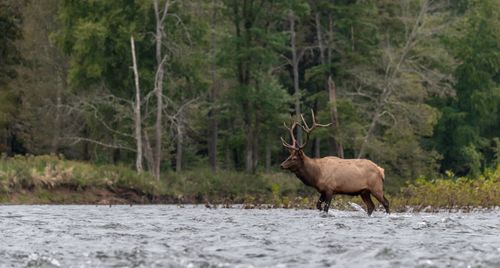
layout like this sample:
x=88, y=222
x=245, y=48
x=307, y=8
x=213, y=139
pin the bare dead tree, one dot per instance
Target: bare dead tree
x=160, y=16
x=90, y=106
x=62, y=86
x=179, y=125
x=115, y=145
x=137, y=110
x=296, y=57
x=325, y=58
x=179, y=147
x=392, y=68
x=213, y=124
x=148, y=151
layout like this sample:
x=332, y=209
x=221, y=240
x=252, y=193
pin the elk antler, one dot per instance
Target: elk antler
x=308, y=129
x=293, y=146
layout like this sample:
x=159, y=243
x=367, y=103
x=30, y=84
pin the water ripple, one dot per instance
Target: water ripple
x=169, y=236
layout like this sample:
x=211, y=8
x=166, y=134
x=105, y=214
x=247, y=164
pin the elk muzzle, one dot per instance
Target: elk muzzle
x=287, y=163
x=282, y=166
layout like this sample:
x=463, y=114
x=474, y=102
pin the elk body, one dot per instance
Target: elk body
x=332, y=175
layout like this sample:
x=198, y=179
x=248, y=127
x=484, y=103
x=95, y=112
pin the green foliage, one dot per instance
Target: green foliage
x=392, y=66
x=96, y=36
x=399, y=64
x=471, y=120
x=257, y=103
x=10, y=29
x=452, y=192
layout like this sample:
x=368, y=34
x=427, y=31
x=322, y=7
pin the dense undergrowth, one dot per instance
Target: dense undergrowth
x=452, y=192
x=51, y=179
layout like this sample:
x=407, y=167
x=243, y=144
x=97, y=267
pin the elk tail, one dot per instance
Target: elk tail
x=381, y=170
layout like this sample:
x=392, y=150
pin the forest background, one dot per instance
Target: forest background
x=194, y=93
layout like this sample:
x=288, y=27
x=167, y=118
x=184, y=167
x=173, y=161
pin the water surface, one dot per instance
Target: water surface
x=193, y=236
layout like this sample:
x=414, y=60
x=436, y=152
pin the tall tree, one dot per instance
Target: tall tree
x=468, y=133
x=252, y=54
x=161, y=58
x=413, y=66
x=10, y=27
x=212, y=117
x=297, y=12
x=43, y=87
x=326, y=42
x=100, y=64
x=137, y=110
x=96, y=38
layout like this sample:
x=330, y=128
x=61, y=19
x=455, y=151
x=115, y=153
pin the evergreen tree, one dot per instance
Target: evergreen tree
x=469, y=131
x=10, y=29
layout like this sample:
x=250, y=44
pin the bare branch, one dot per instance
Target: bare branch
x=159, y=70
x=103, y=122
x=186, y=31
x=82, y=139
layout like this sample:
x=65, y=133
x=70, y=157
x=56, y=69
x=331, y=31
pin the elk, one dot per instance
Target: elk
x=332, y=175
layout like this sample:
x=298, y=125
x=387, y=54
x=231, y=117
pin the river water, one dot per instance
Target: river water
x=194, y=236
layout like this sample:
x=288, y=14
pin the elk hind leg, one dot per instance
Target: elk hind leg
x=379, y=195
x=327, y=199
x=320, y=201
x=368, y=201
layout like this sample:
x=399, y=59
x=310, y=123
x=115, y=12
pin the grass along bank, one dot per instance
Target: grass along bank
x=53, y=180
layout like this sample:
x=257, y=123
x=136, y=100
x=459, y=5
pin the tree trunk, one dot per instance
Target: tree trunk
x=268, y=157
x=295, y=68
x=85, y=146
x=255, y=143
x=116, y=156
x=317, y=147
x=137, y=110
x=319, y=36
x=243, y=22
x=228, y=159
x=148, y=152
x=160, y=18
x=329, y=44
x=57, y=119
x=249, y=149
x=213, y=124
x=368, y=135
x=178, y=152
x=332, y=94
x=330, y=85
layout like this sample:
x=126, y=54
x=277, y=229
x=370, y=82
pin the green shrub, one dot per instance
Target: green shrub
x=451, y=192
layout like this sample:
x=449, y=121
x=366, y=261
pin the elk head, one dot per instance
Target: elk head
x=296, y=159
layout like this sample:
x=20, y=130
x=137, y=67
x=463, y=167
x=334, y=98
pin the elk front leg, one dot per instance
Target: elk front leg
x=328, y=199
x=368, y=201
x=320, y=201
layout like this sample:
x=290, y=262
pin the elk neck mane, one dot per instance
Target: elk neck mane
x=308, y=172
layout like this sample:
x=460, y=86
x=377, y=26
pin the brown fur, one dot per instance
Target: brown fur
x=333, y=175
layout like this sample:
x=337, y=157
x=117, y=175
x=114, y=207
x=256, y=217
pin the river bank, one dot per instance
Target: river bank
x=53, y=180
